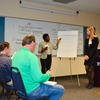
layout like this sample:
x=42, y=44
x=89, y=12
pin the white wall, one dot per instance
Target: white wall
x=11, y=8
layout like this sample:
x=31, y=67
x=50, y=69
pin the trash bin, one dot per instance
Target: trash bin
x=97, y=71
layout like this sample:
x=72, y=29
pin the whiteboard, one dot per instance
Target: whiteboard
x=68, y=44
x=16, y=29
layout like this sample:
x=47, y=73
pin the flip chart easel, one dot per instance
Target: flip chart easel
x=70, y=60
x=68, y=48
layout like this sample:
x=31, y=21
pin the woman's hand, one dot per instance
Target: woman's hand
x=86, y=57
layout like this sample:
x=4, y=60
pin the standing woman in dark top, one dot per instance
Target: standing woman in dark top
x=90, y=54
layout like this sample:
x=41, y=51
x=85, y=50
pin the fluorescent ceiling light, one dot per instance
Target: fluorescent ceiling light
x=48, y=10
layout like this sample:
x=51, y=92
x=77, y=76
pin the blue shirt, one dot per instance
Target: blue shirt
x=5, y=63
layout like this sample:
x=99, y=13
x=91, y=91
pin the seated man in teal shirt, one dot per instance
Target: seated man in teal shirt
x=32, y=76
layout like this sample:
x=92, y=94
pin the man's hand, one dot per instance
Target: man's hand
x=49, y=72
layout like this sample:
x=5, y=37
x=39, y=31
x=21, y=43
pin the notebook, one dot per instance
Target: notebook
x=50, y=83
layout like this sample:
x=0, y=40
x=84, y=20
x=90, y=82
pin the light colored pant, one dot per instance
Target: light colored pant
x=54, y=92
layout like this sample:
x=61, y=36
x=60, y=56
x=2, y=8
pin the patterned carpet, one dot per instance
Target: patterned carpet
x=74, y=92
x=72, y=89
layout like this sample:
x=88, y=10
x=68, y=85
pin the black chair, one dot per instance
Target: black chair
x=2, y=90
x=4, y=85
x=19, y=86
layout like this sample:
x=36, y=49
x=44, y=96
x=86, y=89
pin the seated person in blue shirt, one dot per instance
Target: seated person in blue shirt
x=5, y=61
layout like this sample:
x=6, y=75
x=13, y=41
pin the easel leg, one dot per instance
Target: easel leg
x=57, y=69
x=77, y=75
x=70, y=69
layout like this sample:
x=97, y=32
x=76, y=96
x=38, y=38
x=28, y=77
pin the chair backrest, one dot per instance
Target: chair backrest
x=17, y=81
x=2, y=77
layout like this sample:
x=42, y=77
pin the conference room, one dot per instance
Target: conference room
x=57, y=18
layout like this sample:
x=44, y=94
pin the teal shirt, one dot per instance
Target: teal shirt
x=28, y=64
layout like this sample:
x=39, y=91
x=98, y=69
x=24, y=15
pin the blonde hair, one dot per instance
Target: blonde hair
x=93, y=34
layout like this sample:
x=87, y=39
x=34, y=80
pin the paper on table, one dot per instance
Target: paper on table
x=50, y=83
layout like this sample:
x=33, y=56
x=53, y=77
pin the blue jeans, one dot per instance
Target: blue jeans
x=54, y=92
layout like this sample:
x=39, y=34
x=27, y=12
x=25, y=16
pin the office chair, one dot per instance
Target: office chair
x=2, y=90
x=19, y=86
x=5, y=85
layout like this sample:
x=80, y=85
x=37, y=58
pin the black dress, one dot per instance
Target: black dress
x=91, y=51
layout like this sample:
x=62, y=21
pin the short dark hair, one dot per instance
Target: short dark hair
x=3, y=45
x=45, y=35
x=28, y=39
